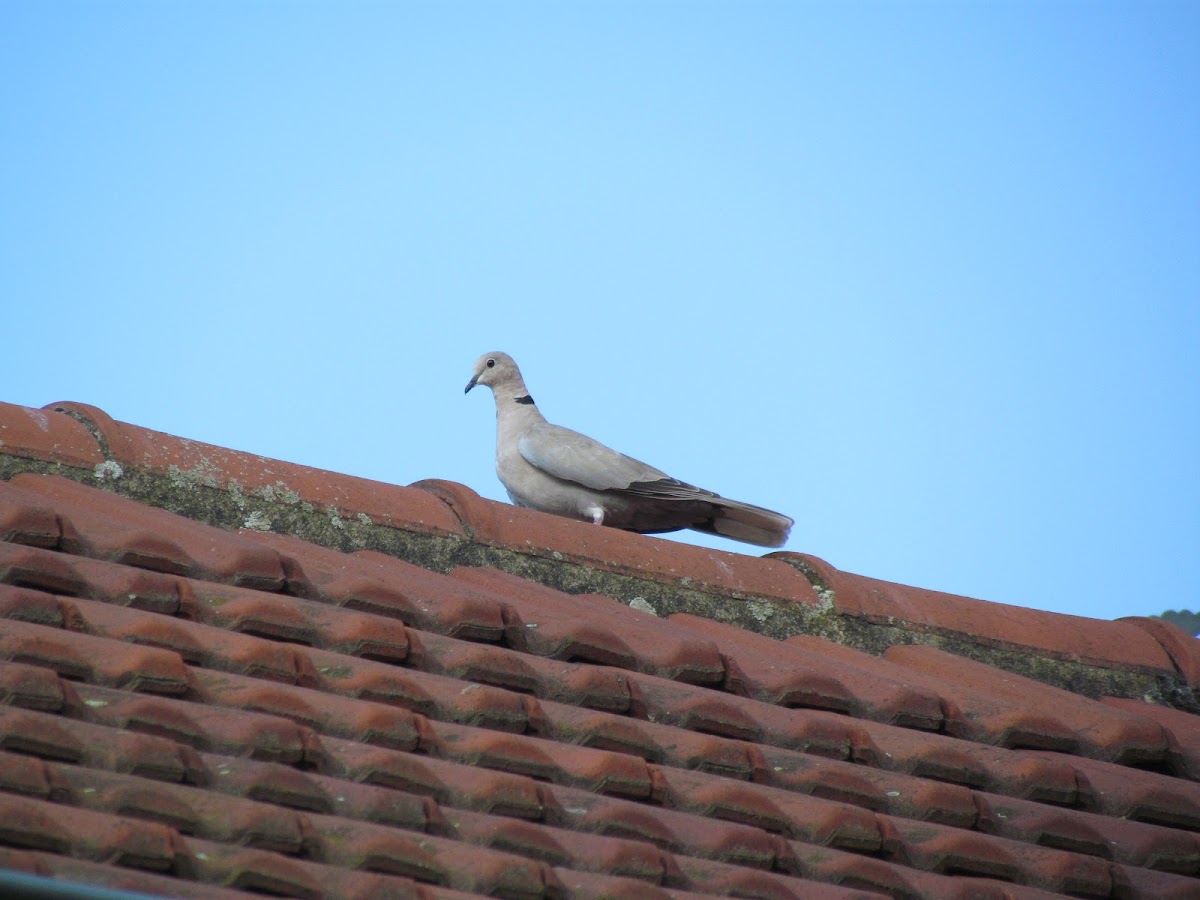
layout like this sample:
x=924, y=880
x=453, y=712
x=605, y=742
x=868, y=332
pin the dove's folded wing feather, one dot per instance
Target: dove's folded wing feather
x=571, y=456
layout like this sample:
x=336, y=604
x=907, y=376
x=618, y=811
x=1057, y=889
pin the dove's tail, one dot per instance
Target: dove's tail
x=748, y=523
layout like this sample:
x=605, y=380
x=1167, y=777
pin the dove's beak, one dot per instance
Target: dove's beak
x=471, y=384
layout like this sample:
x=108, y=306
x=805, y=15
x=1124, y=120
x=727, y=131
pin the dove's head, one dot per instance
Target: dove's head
x=495, y=370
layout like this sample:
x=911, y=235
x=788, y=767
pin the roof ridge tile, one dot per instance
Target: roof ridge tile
x=103, y=429
x=47, y=436
x=793, y=673
x=196, y=464
x=647, y=558
x=1181, y=647
x=987, y=623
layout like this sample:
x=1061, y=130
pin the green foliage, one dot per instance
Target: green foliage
x=1188, y=621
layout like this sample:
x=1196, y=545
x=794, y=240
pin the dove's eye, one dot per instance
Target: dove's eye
x=491, y=363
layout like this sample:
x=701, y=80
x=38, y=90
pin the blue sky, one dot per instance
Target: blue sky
x=924, y=276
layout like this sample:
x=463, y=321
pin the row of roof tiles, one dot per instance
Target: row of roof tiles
x=84, y=438
x=136, y=756
x=706, y=732
x=915, y=686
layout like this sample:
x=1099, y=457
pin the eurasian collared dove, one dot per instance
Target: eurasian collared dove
x=556, y=470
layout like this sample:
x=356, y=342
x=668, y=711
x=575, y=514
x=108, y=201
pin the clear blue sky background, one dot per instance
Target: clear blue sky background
x=924, y=276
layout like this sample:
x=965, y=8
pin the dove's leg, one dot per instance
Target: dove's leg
x=597, y=514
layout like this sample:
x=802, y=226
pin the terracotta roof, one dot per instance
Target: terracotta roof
x=223, y=674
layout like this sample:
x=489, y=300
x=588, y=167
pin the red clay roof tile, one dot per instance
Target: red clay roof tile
x=294, y=620
x=1135, y=843
x=44, y=570
x=337, y=716
x=47, y=436
x=104, y=875
x=1129, y=881
x=105, y=431
x=282, y=785
x=897, y=880
x=558, y=846
x=195, y=711
x=265, y=872
x=449, y=783
x=722, y=879
x=867, y=787
x=31, y=606
x=351, y=844
x=79, y=656
x=195, y=464
x=1092, y=641
x=574, y=883
x=810, y=819
x=826, y=734
x=937, y=848
x=698, y=709
x=577, y=684
x=34, y=824
x=1127, y=793
x=31, y=687
x=1181, y=647
x=195, y=643
x=58, y=573
x=187, y=809
x=56, y=737
x=201, y=726
x=682, y=833
x=25, y=775
x=944, y=758
x=651, y=741
x=595, y=770
x=27, y=519
x=430, y=695
x=373, y=582
x=1013, y=711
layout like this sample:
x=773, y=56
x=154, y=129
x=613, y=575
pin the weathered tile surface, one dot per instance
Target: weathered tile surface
x=194, y=711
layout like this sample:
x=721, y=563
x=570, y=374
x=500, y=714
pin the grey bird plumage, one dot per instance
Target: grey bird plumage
x=557, y=470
